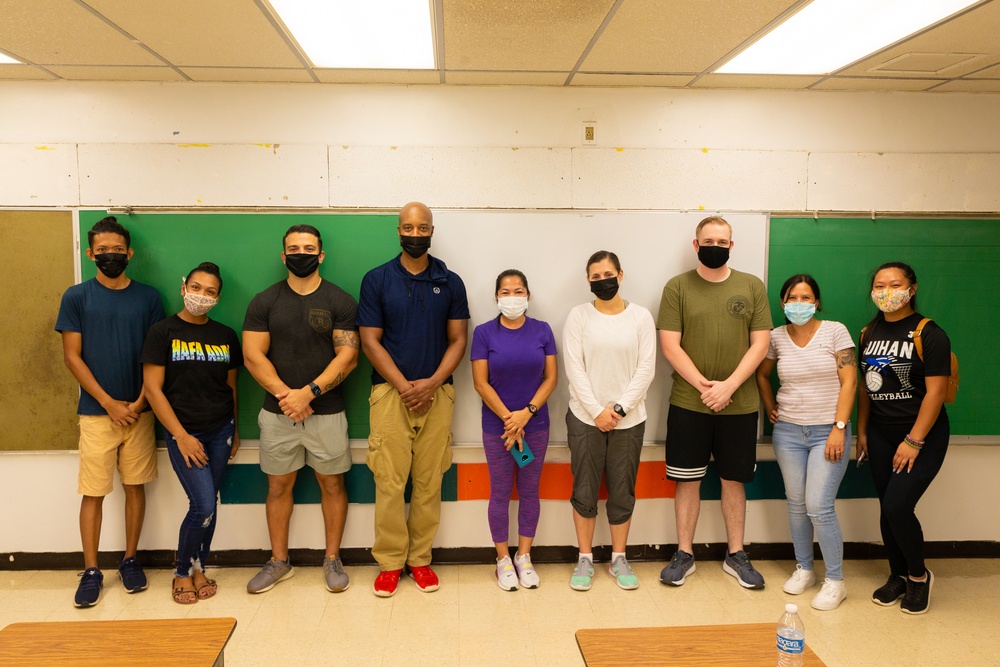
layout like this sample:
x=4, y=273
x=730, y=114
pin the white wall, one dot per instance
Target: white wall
x=272, y=145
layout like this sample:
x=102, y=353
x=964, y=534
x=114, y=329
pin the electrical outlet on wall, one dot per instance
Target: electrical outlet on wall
x=589, y=132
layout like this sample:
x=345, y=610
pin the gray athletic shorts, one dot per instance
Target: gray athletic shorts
x=320, y=440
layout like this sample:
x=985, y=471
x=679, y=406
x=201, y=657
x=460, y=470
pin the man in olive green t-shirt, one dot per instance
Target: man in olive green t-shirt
x=715, y=325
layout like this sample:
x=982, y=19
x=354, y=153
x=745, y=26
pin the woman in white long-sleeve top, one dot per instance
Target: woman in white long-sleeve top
x=610, y=351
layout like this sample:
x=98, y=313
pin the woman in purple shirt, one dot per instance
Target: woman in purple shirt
x=514, y=370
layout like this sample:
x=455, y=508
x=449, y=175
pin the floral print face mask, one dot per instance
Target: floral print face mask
x=890, y=300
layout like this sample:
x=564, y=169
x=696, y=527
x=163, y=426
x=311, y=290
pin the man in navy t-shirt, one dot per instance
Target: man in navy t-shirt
x=103, y=323
x=413, y=319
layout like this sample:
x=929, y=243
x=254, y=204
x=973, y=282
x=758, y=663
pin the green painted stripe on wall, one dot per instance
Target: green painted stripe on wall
x=245, y=484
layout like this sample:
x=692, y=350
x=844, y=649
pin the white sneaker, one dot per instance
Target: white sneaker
x=800, y=580
x=526, y=571
x=506, y=576
x=830, y=596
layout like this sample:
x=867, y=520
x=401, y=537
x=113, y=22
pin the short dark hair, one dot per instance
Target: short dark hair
x=602, y=255
x=303, y=229
x=507, y=274
x=108, y=225
x=209, y=268
x=797, y=279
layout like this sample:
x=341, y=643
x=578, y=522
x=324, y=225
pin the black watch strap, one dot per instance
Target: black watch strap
x=315, y=389
x=619, y=409
x=532, y=408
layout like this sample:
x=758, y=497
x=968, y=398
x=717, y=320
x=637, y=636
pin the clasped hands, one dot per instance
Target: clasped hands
x=715, y=394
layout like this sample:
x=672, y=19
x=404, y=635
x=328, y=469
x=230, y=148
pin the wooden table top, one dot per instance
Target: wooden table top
x=184, y=641
x=747, y=645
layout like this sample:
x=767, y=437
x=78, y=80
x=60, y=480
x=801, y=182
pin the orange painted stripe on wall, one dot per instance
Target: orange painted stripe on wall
x=557, y=482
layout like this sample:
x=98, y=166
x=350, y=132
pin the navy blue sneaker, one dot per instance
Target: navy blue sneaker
x=132, y=576
x=89, y=590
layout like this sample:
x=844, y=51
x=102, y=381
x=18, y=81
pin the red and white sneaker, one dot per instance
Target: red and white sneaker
x=425, y=578
x=386, y=583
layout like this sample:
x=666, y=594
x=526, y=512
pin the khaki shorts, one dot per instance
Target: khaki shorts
x=103, y=445
x=320, y=440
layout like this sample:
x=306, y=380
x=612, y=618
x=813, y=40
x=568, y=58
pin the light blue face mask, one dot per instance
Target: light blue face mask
x=799, y=312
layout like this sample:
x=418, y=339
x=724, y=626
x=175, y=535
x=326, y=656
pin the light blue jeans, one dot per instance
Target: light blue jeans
x=811, y=484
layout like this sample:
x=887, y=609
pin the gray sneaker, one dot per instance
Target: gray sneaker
x=273, y=571
x=738, y=565
x=582, y=574
x=337, y=580
x=681, y=565
x=623, y=574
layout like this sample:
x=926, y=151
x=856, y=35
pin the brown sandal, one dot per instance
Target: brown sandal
x=181, y=594
x=209, y=583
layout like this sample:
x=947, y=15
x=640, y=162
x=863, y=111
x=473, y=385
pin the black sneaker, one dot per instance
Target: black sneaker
x=918, y=595
x=132, y=576
x=891, y=591
x=89, y=590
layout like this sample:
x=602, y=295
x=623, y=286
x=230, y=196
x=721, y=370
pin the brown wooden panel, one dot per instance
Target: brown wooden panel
x=132, y=643
x=38, y=408
x=747, y=645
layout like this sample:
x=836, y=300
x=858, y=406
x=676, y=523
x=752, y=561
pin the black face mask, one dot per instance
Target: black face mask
x=605, y=289
x=301, y=264
x=713, y=256
x=111, y=264
x=415, y=246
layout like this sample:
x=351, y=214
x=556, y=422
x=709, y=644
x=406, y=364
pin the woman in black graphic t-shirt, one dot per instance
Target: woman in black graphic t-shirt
x=902, y=426
x=189, y=373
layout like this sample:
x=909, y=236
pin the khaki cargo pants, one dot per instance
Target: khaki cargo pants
x=401, y=445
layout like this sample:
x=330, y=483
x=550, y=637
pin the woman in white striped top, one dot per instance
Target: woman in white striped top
x=817, y=371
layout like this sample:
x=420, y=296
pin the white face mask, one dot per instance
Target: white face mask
x=512, y=307
x=198, y=304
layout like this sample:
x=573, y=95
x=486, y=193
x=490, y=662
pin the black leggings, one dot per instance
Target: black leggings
x=898, y=494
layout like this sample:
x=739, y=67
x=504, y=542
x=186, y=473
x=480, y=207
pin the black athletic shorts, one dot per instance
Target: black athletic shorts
x=694, y=437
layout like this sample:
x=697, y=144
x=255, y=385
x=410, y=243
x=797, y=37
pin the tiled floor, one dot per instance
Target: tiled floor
x=470, y=621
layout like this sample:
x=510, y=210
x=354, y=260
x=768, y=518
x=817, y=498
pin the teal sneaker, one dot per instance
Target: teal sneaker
x=622, y=572
x=584, y=572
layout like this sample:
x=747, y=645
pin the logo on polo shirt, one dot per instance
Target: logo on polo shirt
x=437, y=290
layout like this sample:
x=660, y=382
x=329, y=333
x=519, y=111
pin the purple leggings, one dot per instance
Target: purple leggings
x=503, y=472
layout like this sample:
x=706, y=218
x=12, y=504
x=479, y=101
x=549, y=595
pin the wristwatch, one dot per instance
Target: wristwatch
x=532, y=408
x=619, y=409
x=315, y=389
x=840, y=425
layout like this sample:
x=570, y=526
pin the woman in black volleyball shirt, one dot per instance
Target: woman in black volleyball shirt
x=902, y=425
x=189, y=371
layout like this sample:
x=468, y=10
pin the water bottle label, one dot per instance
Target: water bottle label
x=787, y=645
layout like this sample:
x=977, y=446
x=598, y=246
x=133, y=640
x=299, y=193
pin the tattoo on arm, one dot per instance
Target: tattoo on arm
x=342, y=338
x=337, y=380
x=846, y=358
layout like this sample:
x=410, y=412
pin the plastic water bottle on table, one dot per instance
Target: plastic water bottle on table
x=791, y=638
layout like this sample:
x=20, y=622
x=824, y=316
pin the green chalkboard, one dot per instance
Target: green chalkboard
x=247, y=248
x=957, y=263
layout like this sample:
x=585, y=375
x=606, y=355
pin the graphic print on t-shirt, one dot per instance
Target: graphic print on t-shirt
x=887, y=374
x=195, y=351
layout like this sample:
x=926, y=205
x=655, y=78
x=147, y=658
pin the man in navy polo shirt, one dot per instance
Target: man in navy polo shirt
x=413, y=319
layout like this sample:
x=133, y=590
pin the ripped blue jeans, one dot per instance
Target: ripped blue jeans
x=202, y=488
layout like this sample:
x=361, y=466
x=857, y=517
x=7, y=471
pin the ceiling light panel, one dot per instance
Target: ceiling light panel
x=366, y=34
x=826, y=35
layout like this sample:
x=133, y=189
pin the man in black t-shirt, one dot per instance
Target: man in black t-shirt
x=299, y=343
